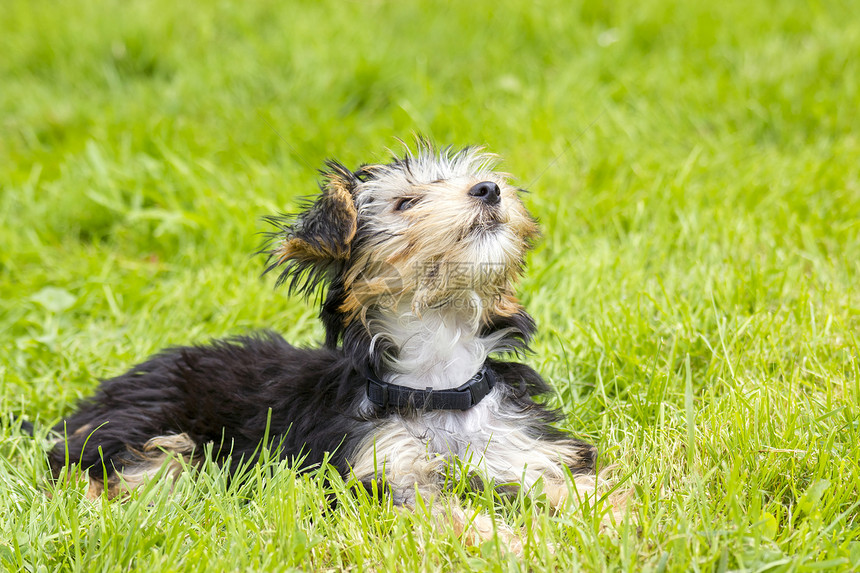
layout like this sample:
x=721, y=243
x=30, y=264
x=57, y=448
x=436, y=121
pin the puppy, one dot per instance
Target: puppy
x=415, y=263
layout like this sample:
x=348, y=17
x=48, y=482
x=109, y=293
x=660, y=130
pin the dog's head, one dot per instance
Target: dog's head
x=433, y=229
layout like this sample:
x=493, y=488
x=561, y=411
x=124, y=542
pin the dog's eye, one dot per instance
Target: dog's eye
x=405, y=203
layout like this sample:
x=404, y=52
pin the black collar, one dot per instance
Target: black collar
x=463, y=397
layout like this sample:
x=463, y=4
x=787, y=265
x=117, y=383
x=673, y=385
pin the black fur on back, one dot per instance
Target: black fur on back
x=222, y=394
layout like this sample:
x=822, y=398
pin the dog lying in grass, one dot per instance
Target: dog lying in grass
x=415, y=262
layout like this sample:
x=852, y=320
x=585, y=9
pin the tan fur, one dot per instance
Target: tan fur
x=85, y=429
x=297, y=249
x=161, y=455
x=475, y=528
x=337, y=206
x=339, y=192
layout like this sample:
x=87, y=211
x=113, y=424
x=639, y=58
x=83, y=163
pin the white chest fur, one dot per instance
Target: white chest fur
x=440, y=349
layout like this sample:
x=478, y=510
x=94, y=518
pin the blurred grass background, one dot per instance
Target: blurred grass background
x=695, y=167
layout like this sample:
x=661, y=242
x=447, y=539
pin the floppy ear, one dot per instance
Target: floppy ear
x=313, y=245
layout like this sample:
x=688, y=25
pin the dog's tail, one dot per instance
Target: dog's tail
x=26, y=427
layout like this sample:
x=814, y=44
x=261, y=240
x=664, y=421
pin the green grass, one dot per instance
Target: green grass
x=696, y=169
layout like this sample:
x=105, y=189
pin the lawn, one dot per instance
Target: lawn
x=696, y=171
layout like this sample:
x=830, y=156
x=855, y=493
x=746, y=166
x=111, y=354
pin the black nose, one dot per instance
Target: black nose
x=486, y=191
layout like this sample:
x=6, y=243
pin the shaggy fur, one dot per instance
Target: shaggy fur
x=416, y=263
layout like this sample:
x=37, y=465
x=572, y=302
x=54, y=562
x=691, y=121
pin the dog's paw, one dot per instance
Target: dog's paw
x=475, y=528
